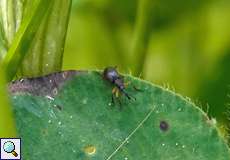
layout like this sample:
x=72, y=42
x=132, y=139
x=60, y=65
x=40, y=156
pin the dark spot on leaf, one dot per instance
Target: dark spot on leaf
x=164, y=126
x=45, y=85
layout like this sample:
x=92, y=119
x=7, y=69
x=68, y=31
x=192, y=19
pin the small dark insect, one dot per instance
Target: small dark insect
x=110, y=74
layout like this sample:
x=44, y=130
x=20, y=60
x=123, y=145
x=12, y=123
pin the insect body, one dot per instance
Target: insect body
x=110, y=74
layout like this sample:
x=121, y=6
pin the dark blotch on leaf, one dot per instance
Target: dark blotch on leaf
x=43, y=86
x=164, y=126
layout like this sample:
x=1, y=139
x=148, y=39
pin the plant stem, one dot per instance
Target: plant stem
x=7, y=124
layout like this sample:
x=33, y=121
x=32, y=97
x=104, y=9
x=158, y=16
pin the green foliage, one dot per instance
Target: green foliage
x=35, y=29
x=73, y=119
x=46, y=50
x=23, y=38
x=39, y=34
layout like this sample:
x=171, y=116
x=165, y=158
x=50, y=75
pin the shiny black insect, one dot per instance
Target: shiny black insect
x=110, y=74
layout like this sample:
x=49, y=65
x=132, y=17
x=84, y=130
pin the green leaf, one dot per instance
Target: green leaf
x=23, y=38
x=39, y=42
x=46, y=51
x=69, y=115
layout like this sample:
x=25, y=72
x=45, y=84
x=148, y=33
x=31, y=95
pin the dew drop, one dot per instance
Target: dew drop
x=47, y=64
x=110, y=104
x=49, y=97
x=71, y=117
x=126, y=158
x=59, y=123
x=179, y=109
x=49, y=121
x=163, y=144
x=183, y=146
x=177, y=144
x=85, y=101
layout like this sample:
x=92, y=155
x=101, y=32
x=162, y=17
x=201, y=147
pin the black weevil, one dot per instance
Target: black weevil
x=111, y=74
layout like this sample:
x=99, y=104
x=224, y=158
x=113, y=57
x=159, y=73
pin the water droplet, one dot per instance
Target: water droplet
x=157, y=111
x=85, y=101
x=126, y=158
x=127, y=141
x=70, y=117
x=162, y=104
x=183, y=146
x=164, y=126
x=21, y=80
x=163, y=144
x=179, y=109
x=50, y=80
x=47, y=64
x=177, y=144
x=90, y=149
x=74, y=150
x=110, y=104
x=59, y=122
x=49, y=97
x=49, y=121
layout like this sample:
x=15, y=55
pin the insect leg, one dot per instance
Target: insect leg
x=127, y=95
x=112, y=99
x=119, y=101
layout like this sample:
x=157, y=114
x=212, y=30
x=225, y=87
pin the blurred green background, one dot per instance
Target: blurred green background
x=186, y=46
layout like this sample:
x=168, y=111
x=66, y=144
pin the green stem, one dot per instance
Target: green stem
x=141, y=36
x=7, y=124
